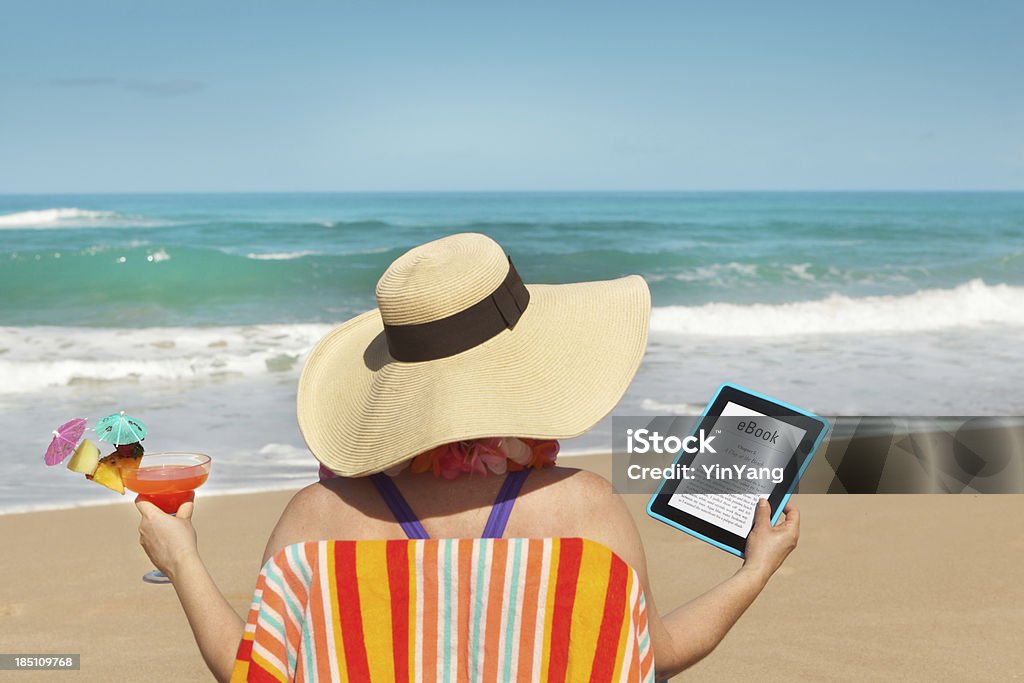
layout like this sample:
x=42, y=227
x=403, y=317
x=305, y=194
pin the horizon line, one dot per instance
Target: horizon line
x=528, y=191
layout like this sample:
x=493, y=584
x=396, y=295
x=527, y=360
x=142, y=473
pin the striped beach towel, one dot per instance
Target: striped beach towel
x=490, y=609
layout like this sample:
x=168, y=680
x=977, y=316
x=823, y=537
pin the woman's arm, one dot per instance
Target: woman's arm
x=690, y=632
x=170, y=542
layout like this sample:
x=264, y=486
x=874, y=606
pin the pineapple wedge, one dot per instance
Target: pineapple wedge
x=108, y=475
x=85, y=459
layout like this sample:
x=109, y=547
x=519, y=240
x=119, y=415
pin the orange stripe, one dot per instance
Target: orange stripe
x=465, y=548
x=317, y=612
x=274, y=600
x=292, y=625
x=429, y=570
x=528, y=617
x=410, y=560
x=495, y=593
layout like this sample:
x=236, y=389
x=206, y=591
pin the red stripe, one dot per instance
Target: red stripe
x=347, y=582
x=611, y=623
x=561, y=616
x=398, y=579
x=244, y=650
x=257, y=674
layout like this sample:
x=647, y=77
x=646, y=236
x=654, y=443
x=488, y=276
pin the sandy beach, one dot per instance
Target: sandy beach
x=921, y=587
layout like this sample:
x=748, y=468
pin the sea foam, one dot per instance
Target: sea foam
x=70, y=217
x=36, y=358
x=972, y=304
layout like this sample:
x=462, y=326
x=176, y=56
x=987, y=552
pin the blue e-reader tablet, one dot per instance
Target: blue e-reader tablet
x=753, y=447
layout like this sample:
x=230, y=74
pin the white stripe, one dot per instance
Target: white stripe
x=542, y=605
x=453, y=597
x=506, y=588
x=294, y=616
x=640, y=634
x=520, y=588
x=475, y=660
x=273, y=661
x=261, y=622
x=482, y=552
x=250, y=627
x=418, y=568
x=306, y=635
x=328, y=608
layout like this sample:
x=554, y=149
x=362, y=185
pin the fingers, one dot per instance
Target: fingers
x=792, y=517
x=185, y=511
x=763, y=514
x=147, y=509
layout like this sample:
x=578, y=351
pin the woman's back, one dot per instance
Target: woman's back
x=539, y=604
x=553, y=502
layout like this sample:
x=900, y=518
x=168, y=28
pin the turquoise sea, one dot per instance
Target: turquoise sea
x=194, y=312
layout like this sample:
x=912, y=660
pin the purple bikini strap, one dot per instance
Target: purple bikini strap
x=410, y=524
x=398, y=505
x=502, y=508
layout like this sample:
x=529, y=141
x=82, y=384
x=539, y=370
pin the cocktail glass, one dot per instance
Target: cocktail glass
x=167, y=480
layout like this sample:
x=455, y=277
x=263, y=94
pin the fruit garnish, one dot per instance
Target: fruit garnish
x=108, y=475
x=130, y=450
x=85, y=459
x=122, y=463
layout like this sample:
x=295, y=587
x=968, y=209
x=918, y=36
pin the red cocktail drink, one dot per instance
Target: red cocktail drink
x=167, y=480
x=166, y=486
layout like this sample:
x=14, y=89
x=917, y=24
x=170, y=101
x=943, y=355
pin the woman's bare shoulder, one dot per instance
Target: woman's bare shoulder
x=575, y=495
x=304, y=516
x=587, y=505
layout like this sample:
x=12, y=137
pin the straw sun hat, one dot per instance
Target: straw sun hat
x=459, y=348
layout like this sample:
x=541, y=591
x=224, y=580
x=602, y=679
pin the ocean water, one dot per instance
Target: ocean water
x=195, y=312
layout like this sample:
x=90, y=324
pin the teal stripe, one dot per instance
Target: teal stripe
x=293, y=550
x=275, y=625
x=277, y=579
x=307, y=634
x=481, y=564
x=447, y=613
x=512, y=609
x=293, y=608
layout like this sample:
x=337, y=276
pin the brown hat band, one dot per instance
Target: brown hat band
x=496, y=312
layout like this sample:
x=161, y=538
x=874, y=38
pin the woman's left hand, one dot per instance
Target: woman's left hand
x=168, y=540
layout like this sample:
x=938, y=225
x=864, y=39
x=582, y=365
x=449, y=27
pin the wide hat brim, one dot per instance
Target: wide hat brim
x=562, y=368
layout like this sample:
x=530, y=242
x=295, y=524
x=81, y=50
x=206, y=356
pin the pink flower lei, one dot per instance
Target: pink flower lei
x=497, y=455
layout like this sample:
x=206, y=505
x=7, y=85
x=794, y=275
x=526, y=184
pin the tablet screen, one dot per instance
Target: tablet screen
x=758, y=441
x=759, y=448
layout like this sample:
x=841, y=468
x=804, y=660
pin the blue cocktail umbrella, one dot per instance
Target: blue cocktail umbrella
x=120, y=429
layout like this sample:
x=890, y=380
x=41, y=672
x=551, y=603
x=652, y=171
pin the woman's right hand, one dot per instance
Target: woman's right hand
x=768, y=546
x=167, y=539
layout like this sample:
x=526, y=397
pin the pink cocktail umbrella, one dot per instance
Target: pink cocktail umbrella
x=65, y=441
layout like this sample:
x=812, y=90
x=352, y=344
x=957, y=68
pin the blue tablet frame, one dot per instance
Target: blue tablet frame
x=789, y=492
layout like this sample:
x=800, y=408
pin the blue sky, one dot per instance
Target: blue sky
x=239, y=96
